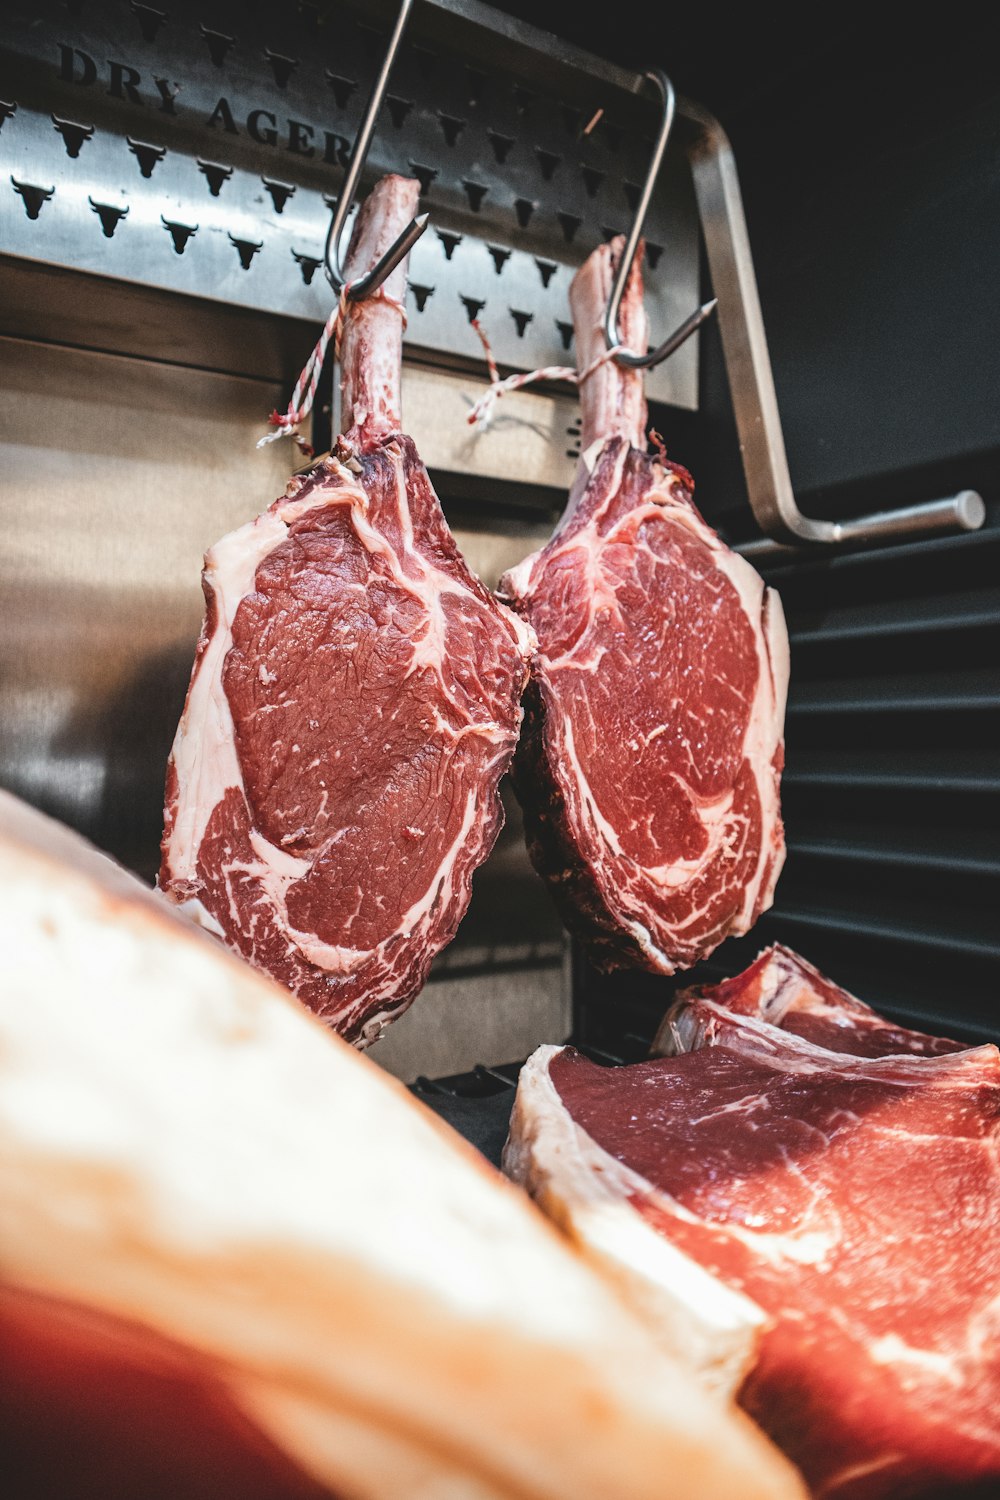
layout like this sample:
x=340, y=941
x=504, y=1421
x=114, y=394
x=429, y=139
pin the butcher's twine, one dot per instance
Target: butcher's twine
x=286, y=423
x=483, y=409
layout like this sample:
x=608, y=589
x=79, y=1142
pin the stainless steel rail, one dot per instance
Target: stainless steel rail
x=751, y=382
x=332, y=260
x=612, y=334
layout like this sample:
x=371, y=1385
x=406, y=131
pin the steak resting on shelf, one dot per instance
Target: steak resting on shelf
x=650, y=759
x=851, y=1202
x=354, y=702
x=780, y=987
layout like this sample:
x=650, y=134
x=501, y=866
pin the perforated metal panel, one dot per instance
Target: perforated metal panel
x=198, y=149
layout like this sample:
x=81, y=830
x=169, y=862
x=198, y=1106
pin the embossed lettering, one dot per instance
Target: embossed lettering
x=223, y=115
x=124, y=82
x=67, y=65
x=168, y=93
x=266, y=136
x=299, y=137
x=338, y=149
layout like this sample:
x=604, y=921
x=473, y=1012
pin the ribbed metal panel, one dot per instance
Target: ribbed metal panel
x=891, y=801
x=891, y=793
x=971, y=771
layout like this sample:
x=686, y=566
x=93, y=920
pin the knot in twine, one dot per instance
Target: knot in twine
x=483, y=409
x=286, y=423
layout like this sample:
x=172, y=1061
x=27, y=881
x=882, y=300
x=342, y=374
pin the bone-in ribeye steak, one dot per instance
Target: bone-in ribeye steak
x=780, y=987
x=353, y=705
x=652, y=748
x=855, y=1201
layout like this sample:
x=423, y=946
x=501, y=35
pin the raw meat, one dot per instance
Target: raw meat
x=97, y=1408
x=254, y=1239
x=354, y=702
x=854, y=1201
x=783, y=989
x=592, y=1196
x=651, y=754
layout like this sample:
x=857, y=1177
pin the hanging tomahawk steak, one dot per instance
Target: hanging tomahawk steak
x=354, y=702
x=780, y=987
x=852, y=1202
x=652, y=747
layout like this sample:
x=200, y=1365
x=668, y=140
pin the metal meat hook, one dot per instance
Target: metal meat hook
x=365, y=285
x=612, y=336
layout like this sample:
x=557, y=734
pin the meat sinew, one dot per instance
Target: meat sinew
x=354, y=702
x=652, y=748
x=855, y=1202
x=780, y=987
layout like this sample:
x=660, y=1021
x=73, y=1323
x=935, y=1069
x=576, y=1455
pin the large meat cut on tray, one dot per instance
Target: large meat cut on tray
x=238, y=1261
x=844, y=1205
x=650, y=760
x=354, y=702
x=780, y=987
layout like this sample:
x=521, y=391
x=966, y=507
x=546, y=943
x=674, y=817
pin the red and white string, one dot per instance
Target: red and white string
x=286, y=423
x=483, y=409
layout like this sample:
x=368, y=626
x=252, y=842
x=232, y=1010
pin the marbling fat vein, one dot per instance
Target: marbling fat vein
x=650, y=760
x=851, y=1201
x=354, y=703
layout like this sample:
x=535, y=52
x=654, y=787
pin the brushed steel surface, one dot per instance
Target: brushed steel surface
x=531, y=439
x=500, y=1015
x=518, y=195
x=117, y=474
x=54, y=305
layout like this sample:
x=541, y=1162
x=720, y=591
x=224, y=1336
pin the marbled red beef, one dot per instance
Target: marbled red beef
x=857, y=1202
x=354, y=703
x=96, y=1408
x=650, y=759
x=780, y=987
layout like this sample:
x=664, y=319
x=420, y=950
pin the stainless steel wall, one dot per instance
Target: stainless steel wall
x=117, y=474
